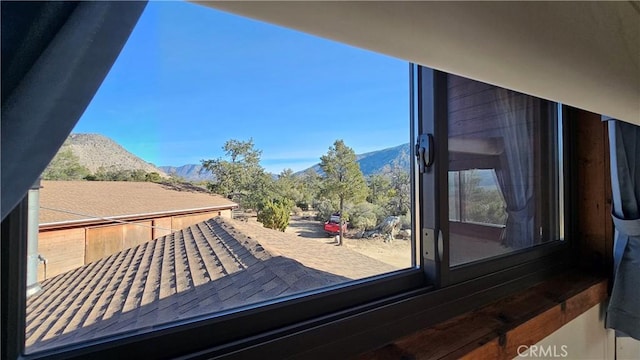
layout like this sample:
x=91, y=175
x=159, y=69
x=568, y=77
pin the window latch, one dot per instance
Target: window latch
x=424, y=152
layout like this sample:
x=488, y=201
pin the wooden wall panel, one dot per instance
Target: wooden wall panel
x=63, y=249
x=163, y=227
x=136, y=234
x=181, y=222
x=102, y=242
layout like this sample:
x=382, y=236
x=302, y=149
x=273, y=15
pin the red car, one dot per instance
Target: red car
x=332, y=226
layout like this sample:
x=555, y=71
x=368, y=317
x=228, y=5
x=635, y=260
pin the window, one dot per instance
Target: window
x=504, y=170
x=499, y=154
x=485, y=205
x=268, y=121
x=504, y=174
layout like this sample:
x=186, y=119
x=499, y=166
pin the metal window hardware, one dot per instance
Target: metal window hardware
x=424, y=152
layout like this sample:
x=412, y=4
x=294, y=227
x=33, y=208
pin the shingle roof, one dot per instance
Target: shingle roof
x=205, y=268
x=119, y=198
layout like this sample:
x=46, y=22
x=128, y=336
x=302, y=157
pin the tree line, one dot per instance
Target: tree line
x=340, y=187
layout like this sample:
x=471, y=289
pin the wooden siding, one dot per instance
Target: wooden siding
x=102, y=241
x=63, y=249
x=181, y=222
x=136, y=234
x=162, y=227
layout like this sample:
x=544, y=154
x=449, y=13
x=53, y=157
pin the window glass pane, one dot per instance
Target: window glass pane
x=274, y=142
x=478, y=200
x=454, y=196
x=503, y=174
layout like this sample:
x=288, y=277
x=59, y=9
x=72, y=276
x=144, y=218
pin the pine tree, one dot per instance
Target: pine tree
x=342, y=178
x=240, y=177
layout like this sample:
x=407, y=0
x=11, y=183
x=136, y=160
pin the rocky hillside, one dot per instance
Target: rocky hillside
x=95, y=151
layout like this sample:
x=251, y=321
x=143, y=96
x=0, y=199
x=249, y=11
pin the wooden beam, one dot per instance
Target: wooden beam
x=594, y=230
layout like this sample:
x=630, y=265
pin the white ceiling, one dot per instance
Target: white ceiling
x=585, y=54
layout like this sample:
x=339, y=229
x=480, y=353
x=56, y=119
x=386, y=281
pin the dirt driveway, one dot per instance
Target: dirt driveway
x=397, y=253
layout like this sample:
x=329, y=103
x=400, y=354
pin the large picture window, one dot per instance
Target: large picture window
x=286, y=171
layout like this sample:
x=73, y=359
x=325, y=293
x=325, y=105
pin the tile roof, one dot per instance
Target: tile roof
x=208, y=267
x=120, y=198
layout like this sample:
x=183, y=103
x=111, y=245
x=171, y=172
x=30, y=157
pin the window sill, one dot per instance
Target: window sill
x=495, y=331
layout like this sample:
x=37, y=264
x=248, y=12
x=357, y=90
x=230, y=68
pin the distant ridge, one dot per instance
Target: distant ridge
x=370, y=163
x=374, y=162
x=95, y=151
x=189, y=172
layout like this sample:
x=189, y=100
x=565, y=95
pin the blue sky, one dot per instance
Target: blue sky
x=190, y=78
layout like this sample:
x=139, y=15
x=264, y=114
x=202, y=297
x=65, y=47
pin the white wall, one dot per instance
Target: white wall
x=583, y=338
x=627, y=349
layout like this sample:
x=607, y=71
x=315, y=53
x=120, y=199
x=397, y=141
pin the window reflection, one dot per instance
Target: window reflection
x=497, y=168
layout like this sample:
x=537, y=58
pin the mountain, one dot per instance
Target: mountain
x=189, y=172
x=95, y=151
x=375, y=161
x=370, y=163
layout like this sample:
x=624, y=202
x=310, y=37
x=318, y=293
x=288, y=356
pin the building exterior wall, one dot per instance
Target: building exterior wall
x=227, y=213
x=67, y=249
x=183, y=221
x=63, y=249
x=136, y=234
x=161, y=227
x=102, y=241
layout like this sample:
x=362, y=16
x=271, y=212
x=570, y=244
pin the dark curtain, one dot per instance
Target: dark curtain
x=516, y=115
x=623, y=313
x=55, y=55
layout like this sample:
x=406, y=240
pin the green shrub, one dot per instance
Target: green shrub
x=274, y=214
x=364, y=216
x=325, y=209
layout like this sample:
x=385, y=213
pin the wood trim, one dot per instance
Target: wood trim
x=482, y=231
x=593, y=187
x=496, y=330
